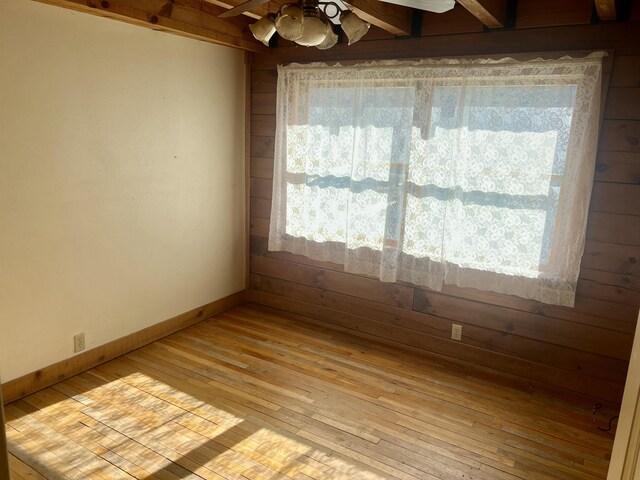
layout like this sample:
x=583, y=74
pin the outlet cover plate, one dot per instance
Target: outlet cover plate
x=456, y=332
x=78, y=342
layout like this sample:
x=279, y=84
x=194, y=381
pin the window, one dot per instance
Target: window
x=469, y=172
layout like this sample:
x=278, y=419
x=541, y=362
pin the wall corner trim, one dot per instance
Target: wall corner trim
x=32, y=382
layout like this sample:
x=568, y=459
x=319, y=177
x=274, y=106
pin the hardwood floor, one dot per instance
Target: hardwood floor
x=22, y=471
x=258, y=394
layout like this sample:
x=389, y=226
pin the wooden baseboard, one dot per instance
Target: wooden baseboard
x=4, y=457
x=45, y=377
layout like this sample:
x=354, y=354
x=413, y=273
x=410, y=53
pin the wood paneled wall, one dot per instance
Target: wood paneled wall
x=583, y=349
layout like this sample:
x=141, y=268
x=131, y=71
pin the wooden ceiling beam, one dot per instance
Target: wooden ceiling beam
x=394, y=19
x=256, y=12
x=187, y=18
x=606, y=9
x=492, y=13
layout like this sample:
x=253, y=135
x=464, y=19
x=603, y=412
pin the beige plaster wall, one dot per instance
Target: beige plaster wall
x=121, y=180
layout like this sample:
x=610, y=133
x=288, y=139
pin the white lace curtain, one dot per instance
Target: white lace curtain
x=470, y=172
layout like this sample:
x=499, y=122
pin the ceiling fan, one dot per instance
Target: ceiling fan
x=310, y=22
x=435, y=6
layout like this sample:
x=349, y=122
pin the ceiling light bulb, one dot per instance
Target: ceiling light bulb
x=289, y=22
x=353, y=26
x=264, y=28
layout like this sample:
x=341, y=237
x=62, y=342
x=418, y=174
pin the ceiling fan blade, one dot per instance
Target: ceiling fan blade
x=436, y=6
x=243, y=7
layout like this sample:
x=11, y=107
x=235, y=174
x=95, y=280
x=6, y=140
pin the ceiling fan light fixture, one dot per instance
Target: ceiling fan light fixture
x=289, y=22
x=354, y=27
x=264, y=28
x=320, y=16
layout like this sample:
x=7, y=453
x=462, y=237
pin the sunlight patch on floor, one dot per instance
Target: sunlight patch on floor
x=137, y=426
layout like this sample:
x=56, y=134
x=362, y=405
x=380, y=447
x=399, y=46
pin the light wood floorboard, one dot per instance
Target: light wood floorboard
x=259, y=394
x=22, y=471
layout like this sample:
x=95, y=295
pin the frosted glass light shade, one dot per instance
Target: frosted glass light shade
x=353, y=26
x=264, y=28
x=314, y=33
x=330, y=40
x=289, y=22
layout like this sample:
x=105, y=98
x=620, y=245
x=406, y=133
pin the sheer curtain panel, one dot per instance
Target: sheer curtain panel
x=470, y=172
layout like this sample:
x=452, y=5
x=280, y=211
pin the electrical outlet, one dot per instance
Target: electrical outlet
x=78, y=342
x=456, y=332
